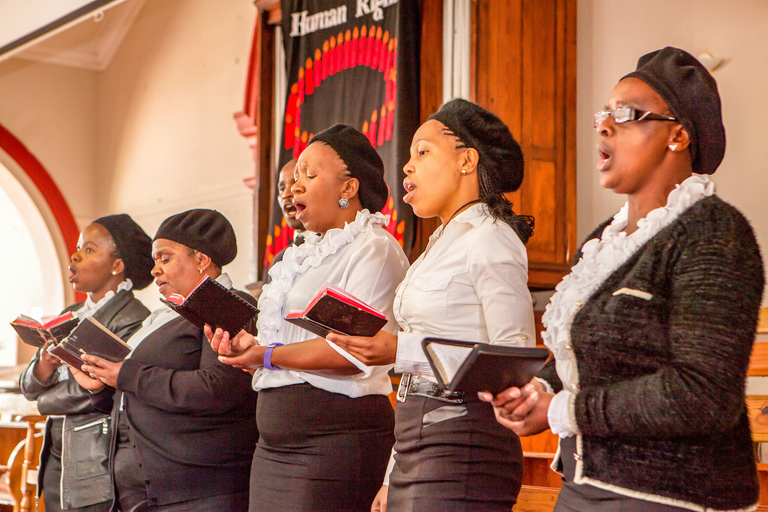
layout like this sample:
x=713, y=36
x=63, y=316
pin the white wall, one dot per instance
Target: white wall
x=153, y=134
x=167, y=138
x=613, y=34
x=51, y=110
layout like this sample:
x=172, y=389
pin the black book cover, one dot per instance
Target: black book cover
x=335, y=310
x=214, y=304
x=484, y=367
x=92, y=338
x=36, y=334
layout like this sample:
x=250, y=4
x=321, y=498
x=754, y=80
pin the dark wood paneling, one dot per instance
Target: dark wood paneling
x=523, y=69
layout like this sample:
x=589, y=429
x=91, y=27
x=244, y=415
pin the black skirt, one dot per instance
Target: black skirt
x=319, y=451
x=453, y=458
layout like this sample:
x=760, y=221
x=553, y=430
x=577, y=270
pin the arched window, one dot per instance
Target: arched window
x=38, y=232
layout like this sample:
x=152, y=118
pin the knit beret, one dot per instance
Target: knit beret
x=476, y=127
x=691, y=94
x=206, y=231
x=133, y=245
x=362, y=160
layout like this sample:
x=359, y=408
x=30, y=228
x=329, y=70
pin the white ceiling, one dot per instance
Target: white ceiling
x=90, y=43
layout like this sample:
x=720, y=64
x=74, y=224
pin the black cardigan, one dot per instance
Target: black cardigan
x=192, y=417
x=661, y=409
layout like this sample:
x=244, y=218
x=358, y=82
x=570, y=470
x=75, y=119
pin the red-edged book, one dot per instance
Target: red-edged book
x=38, y=334
x=335, y=310
x=212, y=303
x=90, y=337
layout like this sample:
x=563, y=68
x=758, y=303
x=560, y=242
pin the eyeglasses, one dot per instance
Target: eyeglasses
x=623, y=115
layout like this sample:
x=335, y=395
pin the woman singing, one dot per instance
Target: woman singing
x=470, y=284
x=652, y=330
x=185, y=429
x=112, y=260
x=324, y=418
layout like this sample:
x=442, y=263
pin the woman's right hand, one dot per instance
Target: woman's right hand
x=522, y=410
x=86, y=381
x=224, y=346
x=380, y=501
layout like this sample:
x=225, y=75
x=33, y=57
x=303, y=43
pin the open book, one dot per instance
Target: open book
x=92, y=338
x=212, y=303
x=36, y=334
x=335, y=310
x=473, y=366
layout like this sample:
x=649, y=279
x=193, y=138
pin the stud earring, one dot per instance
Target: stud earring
x=200, y=270
x=463, y=171
x=114, y=272
x=343, y=203
x=673, y=147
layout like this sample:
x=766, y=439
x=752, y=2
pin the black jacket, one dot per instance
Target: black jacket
x=83, y=453
x=660, y=406
x=191, y=417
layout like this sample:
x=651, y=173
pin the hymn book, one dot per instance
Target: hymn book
x=212, y=303
x=335, y=310
x=473, y=366
x=90, y=337
x=37, y=334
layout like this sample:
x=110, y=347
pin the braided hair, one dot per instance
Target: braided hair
x=500, y=166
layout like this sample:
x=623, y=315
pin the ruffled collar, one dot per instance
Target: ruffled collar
x=297, y=260
x=601, y=257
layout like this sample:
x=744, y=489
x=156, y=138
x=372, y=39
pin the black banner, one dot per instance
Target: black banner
x=354, y=62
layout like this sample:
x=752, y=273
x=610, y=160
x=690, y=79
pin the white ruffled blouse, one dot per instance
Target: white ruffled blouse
x=600, y=258
x=363, y=259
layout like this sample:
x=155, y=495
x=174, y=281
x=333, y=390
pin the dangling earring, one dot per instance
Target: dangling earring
x=463, y=171
x=343, y=203
x=673, y=147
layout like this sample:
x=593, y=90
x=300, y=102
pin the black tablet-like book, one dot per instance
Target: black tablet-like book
x=335, y=310
x=92, y=338
x=473, y=366
x=212, y=303
x=38, y=334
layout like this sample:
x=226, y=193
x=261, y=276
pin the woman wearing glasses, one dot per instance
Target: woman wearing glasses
x=652, y=330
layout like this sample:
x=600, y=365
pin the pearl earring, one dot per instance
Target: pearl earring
x=343, y=203
x=463, y=171
x=673, y=147
x=114, y=272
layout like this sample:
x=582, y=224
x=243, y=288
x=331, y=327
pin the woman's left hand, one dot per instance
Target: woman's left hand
x=522, y=410
x=380, y=349
x=224, y=346
x=249, y=360
x=101, y=369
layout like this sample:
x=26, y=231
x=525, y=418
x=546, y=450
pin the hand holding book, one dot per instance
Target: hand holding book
x=377, y=350
x=522, y=410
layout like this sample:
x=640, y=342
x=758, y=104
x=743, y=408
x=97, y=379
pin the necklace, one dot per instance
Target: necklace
x=445, y=226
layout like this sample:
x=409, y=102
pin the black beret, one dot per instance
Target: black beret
x=691, y=94
x=206, y=231
x=476, y=127
x=134, y=246
x=363, y=162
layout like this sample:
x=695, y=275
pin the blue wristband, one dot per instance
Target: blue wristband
x=268, y=356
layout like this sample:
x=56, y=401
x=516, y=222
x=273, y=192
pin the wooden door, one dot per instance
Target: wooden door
x=523, y=68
